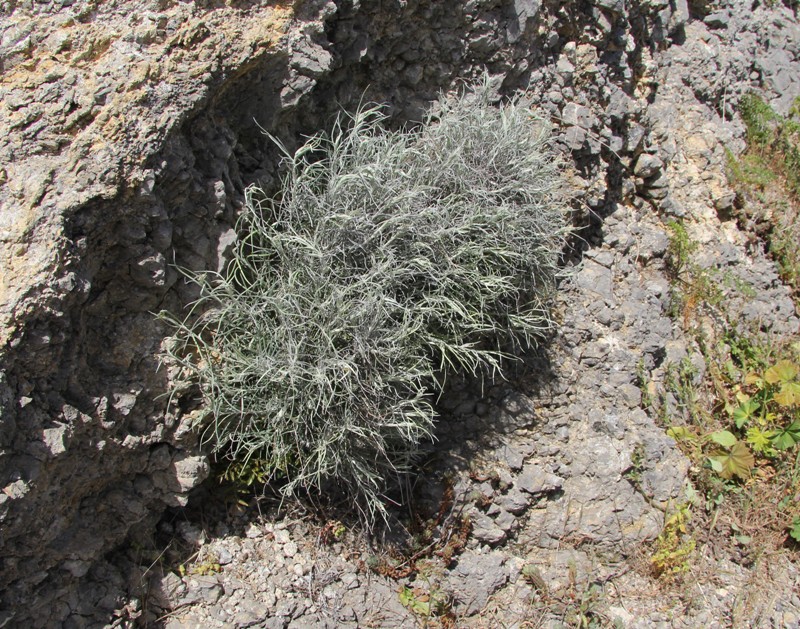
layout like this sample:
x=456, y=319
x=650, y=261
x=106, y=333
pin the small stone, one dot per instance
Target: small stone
x=613, y=6
x=515, y=501
x=203, y=589
x=190, y=471
x=574, y=137
x=513, y=457
x=505, y=520
x=169, y=590
x=577, y=115
x=299, y=570
x=535, y=480
x=347, y=614
x=55, y=439
x=224, y=556
x=647, y=165
x=717, y=19
x=630, y=394
x=191, y=533
x=564, y=67
x=486, y=531
x=249, y=613
x=286, y=608
x=476, y=578
x=290, y=549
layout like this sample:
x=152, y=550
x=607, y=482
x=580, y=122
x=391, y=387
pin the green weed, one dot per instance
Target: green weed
x=693, y=286
x=674, y=546
x=739, y=423
x=427, y=601
x=759, y=119
x=768, y=176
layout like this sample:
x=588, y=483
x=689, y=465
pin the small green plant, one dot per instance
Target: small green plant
x=428, y=602
x=759, y=119
x=585, y=612
x=763, y=420
x=693, y=286
x=389, y=261
x=674, y=546
x=645, y=384
x=767, y=176
x=774, y=137
x=333, y=531
x=208, y=566
x=533, y=577
x=634, y=473
x=731, y=457
x=247, y=473
x=768, y=408
x=680, y=249
x=794, y=529
x=239, y=480
x=751, y=170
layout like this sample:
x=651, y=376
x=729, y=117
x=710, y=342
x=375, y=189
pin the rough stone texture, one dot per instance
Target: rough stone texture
x=128, y=132
x=120, y=158
x=476, y=577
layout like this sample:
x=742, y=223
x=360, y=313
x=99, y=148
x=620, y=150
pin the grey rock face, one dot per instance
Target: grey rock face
x=127, y=140
x=126, y=178
x=477, y=577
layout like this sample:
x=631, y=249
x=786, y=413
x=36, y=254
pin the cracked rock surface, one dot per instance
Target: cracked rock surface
x=129, y=133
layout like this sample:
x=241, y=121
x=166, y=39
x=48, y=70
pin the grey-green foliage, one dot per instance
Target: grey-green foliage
x=388, y=260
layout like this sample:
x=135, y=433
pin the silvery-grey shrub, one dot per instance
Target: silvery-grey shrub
x=387, y=261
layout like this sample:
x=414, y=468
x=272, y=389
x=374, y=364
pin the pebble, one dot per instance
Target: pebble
x=290, y=549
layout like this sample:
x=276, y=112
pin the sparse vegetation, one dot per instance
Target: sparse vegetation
x=674, y=546
x=738, y=419
x=767, y=178
x=695, y=286
x=579, y=604
x=388, y=261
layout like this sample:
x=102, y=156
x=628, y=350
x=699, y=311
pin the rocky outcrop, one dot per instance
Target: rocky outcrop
x=119, y=162
x=129, y=132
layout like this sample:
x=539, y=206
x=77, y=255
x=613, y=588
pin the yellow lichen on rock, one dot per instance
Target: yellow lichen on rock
x=86, y=95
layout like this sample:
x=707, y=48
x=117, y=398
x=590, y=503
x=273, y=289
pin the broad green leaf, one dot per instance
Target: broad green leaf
x=724, y=438
x=680, y=433
x=783, y=371
x=759, y=439
x=415, y=600
x=789, y=395
x=738, y=462
x=754, y=378
x=418, y=600
x=794, y=530
x=786, y=438
x=744, y=412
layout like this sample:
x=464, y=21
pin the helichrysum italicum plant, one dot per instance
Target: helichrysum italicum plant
x=388, y=260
